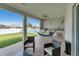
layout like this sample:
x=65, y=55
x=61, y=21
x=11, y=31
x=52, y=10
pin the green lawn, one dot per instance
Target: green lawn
x=9, y=39
x=31, y=34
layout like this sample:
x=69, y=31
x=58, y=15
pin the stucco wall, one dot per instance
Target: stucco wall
x=68, y=23
x=53, y=23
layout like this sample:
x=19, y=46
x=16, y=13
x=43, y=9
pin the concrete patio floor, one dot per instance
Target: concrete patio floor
x=12, y=50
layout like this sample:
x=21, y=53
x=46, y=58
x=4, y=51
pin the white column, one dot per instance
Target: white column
x=24, y=29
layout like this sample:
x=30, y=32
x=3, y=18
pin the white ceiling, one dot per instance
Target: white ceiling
x=52, y=10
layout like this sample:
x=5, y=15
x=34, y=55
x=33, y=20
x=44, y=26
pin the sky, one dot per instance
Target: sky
x=33, y=21
x=8, y=17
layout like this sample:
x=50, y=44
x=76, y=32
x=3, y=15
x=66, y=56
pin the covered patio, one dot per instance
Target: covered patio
x=55, y=17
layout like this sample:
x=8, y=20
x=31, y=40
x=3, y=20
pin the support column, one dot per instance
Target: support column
x=41, y=24
x=24, y=30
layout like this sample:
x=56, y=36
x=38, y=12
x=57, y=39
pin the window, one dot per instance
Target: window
x=10, y=28
x=33, y=26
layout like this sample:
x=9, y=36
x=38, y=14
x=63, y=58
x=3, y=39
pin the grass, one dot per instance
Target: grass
x=31, y=34
x=9, y=39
